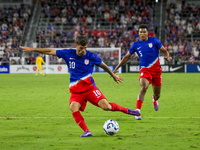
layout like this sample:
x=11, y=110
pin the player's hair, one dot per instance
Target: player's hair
x=81, y=40
x=143, y=26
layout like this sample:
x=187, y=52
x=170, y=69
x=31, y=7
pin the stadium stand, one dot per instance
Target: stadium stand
x=105, y=23
x=182, y=31
x=14, y=19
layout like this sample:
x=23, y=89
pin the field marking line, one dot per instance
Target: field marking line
x=97, y=117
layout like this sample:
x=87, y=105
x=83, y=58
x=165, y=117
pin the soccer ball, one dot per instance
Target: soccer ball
x=111, y=127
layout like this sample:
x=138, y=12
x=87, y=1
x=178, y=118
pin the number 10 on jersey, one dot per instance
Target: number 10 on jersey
x=71, y=64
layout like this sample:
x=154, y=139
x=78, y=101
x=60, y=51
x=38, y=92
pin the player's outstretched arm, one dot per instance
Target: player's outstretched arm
x=116, y=78
x=124, y=60
x=47, y=51
x=165, y=52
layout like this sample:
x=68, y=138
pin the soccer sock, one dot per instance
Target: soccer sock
x=154, y=100
x=80, y=120
x=42, y=72
x=139, y=104
x=116, y=107
x=37, y=73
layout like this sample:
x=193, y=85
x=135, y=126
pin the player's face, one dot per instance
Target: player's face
x=143, y=34
x=81, y=50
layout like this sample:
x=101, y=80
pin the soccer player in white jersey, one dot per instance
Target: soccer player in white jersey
x=147, y=49
x=82, y=86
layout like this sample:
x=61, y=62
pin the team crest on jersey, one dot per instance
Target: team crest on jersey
x=150, y=45
x=86, y=61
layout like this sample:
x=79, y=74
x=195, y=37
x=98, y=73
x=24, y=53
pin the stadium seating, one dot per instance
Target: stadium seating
x=105, y=23
x=182, y=31
x=14, y=20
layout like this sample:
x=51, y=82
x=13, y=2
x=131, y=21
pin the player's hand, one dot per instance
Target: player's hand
x=114, y=71
x=27, y=49
x=167, y=58
x=118, y=78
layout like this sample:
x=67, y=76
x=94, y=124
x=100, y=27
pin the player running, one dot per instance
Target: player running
x=82, y=86
x=39, y=62
x=147, y=49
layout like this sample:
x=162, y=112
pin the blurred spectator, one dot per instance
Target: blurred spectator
x=189, y=30
x=32, y=60
x=188, y=48
x=4, y=60
x=1, y=52
x=63, y=19
x=50, y=28
x=170, y=48
x=191, y=59
x=35, y=44
x=27, y=60
x=57, y=20
x=196, y=54
x=13, y=61
x=89, y=20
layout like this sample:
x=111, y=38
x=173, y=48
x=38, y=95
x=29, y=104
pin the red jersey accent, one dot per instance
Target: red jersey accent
x=154, y=77
x=154, y=67
x=93, y=96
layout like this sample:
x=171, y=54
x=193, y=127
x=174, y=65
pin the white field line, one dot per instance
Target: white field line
x=97, y=117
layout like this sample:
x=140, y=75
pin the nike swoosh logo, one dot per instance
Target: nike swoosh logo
x=174, y=69
x=138, y=47
x=198, y=67
x=71, y=58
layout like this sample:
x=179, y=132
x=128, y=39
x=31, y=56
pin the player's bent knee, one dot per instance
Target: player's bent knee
x=74, y=107
x=103, y=103
x=106, y=108
x=144, y=89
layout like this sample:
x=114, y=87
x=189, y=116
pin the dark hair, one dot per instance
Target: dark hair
x=81, y=40
x=143, y=26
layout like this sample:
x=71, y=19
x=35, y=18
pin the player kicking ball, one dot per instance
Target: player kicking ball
x=82, y=86
x=147, y=48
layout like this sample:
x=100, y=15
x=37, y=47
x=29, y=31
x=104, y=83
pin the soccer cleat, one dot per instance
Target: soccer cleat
x=36, y=75
x=86, y=134
x=138, y=117
x=44, y=75
x=134, y=112
x=155, y=105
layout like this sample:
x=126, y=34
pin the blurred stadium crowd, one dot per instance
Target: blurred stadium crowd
x=106, y=24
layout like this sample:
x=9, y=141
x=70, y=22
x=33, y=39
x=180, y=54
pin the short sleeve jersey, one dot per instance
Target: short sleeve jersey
x=80, y=68
x=148, y=53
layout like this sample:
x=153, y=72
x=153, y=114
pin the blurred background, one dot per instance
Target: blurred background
x=108, y=24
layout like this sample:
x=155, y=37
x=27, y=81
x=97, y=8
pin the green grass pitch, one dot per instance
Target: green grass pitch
x=35, y=115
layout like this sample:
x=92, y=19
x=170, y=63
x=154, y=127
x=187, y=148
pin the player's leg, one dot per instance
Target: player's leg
x=37, y=73
x=95, y=97
x=103, y=103
x=156, y=92
x=42, y=72
x=77, y=103
x=39, y=68
x=156, y=84
x=156, y=96
x=144, y=84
